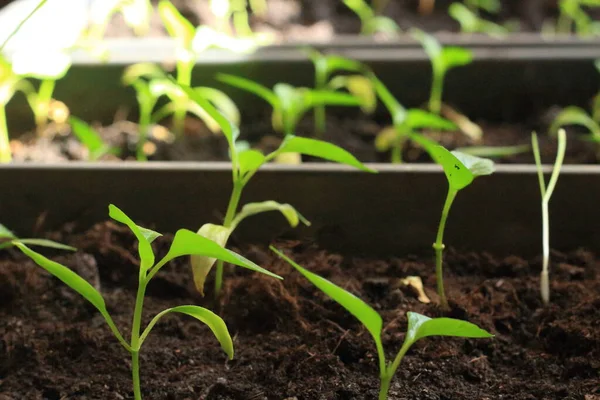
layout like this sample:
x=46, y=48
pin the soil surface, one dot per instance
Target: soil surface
x=353, y=132
x=291, y=341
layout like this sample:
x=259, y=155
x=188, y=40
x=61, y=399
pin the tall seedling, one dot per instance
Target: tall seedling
x=184, y=243
x=546, y=192
x=245, y=164
x=419, y=326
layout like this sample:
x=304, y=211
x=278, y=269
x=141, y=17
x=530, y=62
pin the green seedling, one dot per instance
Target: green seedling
x=91, y=139
x=9, y=239
x=471, y=22
x=546, y=192
x=419, y=326
x=460, y=170
x=190, y=43
x=495, y=151
x=371, y=23
x=184, y=243
x=442, y=60
x=406, y=123
x=245, y=163
x=150, y=84
x=573, y=15
x=236, y=13
x=357, y=84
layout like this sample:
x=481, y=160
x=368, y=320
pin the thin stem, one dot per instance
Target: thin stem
x=135, y=373
x=144, y=125
x=135, y=337
x=184, y=77
x=234, y=201
x=397, y=149
x=386, y=379
x=435, y=99
x=438, y=246
x=319, y=113
x=42, y=104
x=5, y=154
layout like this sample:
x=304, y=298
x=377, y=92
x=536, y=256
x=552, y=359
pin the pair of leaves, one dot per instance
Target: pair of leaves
x=371, y=23
x=471, y=23
x=442, y=58
x=419, y=326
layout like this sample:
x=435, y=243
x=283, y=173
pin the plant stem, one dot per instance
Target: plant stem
x=135, y=371
x=135, y=338
x=397, y=150
x=438, y=246
x=386, y=379
x=234, y=201
x=42, y=104
x=320, y=80
x=144, y=125
x=435, y=99
x=5, y=155
x=184, y=77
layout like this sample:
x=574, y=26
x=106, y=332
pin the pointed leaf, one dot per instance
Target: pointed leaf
x=458, y=175
x=141, y=70
x=456, y=57
x=214, y=322
x=223, y=104
x=477, y=165
x=289, y=212
x=144, y=248
x=420, y=326
x=330, y=98
x=318, y=148
x=88, y=137
x=417, y=119
x=201, y=265
x=252, y=87
x=6, y=233
x=47, y=243
x=250, y=161
x=385, y=138
x=575, y=116
x=360, y=87
x=177, y=25
x=396, y=110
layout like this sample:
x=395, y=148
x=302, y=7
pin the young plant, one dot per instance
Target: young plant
x=419, y=326
x=291, y=103
x=573, y=14
x=471, y=22
x=357, y=84
x=236, y=11
x=489, y=6
x=442, y=60
x=8, y=239
x=371, y=23
x=184, y=243
x=190, y=43
x=91, y=139
x=460, y=170
x=245, y=164
x=546, y=192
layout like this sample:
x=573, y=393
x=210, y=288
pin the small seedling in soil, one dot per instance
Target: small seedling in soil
x=442, y=60
x=8, y=239
x=573, y=14
x=91, y=139
x=291, y=103
x=471, y=22
x=371, y=23
x=460, y=169
x=244, y=165
x=419, y=326
x=546, y=192
x=184, y=243
x=357, y=84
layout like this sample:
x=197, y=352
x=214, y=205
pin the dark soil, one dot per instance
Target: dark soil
x=356, y=133
x=291, y=341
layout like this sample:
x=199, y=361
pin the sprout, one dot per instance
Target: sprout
x=184, y=243
x=8, y=239
x=442, y=59
x=245, y=164
x=419, y=326
x=460, y=169
x=92, y=141
x=546, y=192
x=371, y=23
x=237, y=12
x=291, y=103
x=573, y=14
x=357, y=84
x=470, y=22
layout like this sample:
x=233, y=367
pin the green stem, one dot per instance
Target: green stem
x=435, y=99
x=5, y=155
x=320, y=79
x=234, y=201
x=438, y=246
x=397, y=150
x=184, y=77
x=42, y=103
x=144, y=125
x=135, y=338
x=135, y=371
x=386, y=379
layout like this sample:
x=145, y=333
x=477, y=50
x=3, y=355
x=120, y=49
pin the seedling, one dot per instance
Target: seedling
x=546, y=192
x=291, y=103
x=489, y=6
x=151, y=83
x=460, y=169
x=419, y=326
x=184, y=243
x=442, y=60
x=245, y=163
x=91, y=139
x=573, y=14
x=406, y=123
x=370, y=22
x=470, y=22
x=8, y=239
x=236, y=11
x=357, y=84
x=190, y=43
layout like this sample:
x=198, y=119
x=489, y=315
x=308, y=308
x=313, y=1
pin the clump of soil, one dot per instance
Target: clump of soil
x=291, y=340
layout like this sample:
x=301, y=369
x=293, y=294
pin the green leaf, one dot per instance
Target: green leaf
x=430, y=44
x=289, y=212
x=477, y=165
x=386, y=138
x=214, y=322
x=201, y=265
x=417, y=119
x=460, y=168
x=250, y=161
x=396, y=110
x=575, y=116
x=321, y=149
x=329, y=98
x=456, y=57
x=221, y=101
x=420, y=326
x=381, y=24
x=177, y=25
x=495, y=151
x=142, y=235
x=336, y=63
x=362, y=311
x=88, y=137
x=360, y=87
x=67, y=276
x=189, y=243
x=47, y=243
x=252, y=87
x=137, y=71
x=6, y=233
